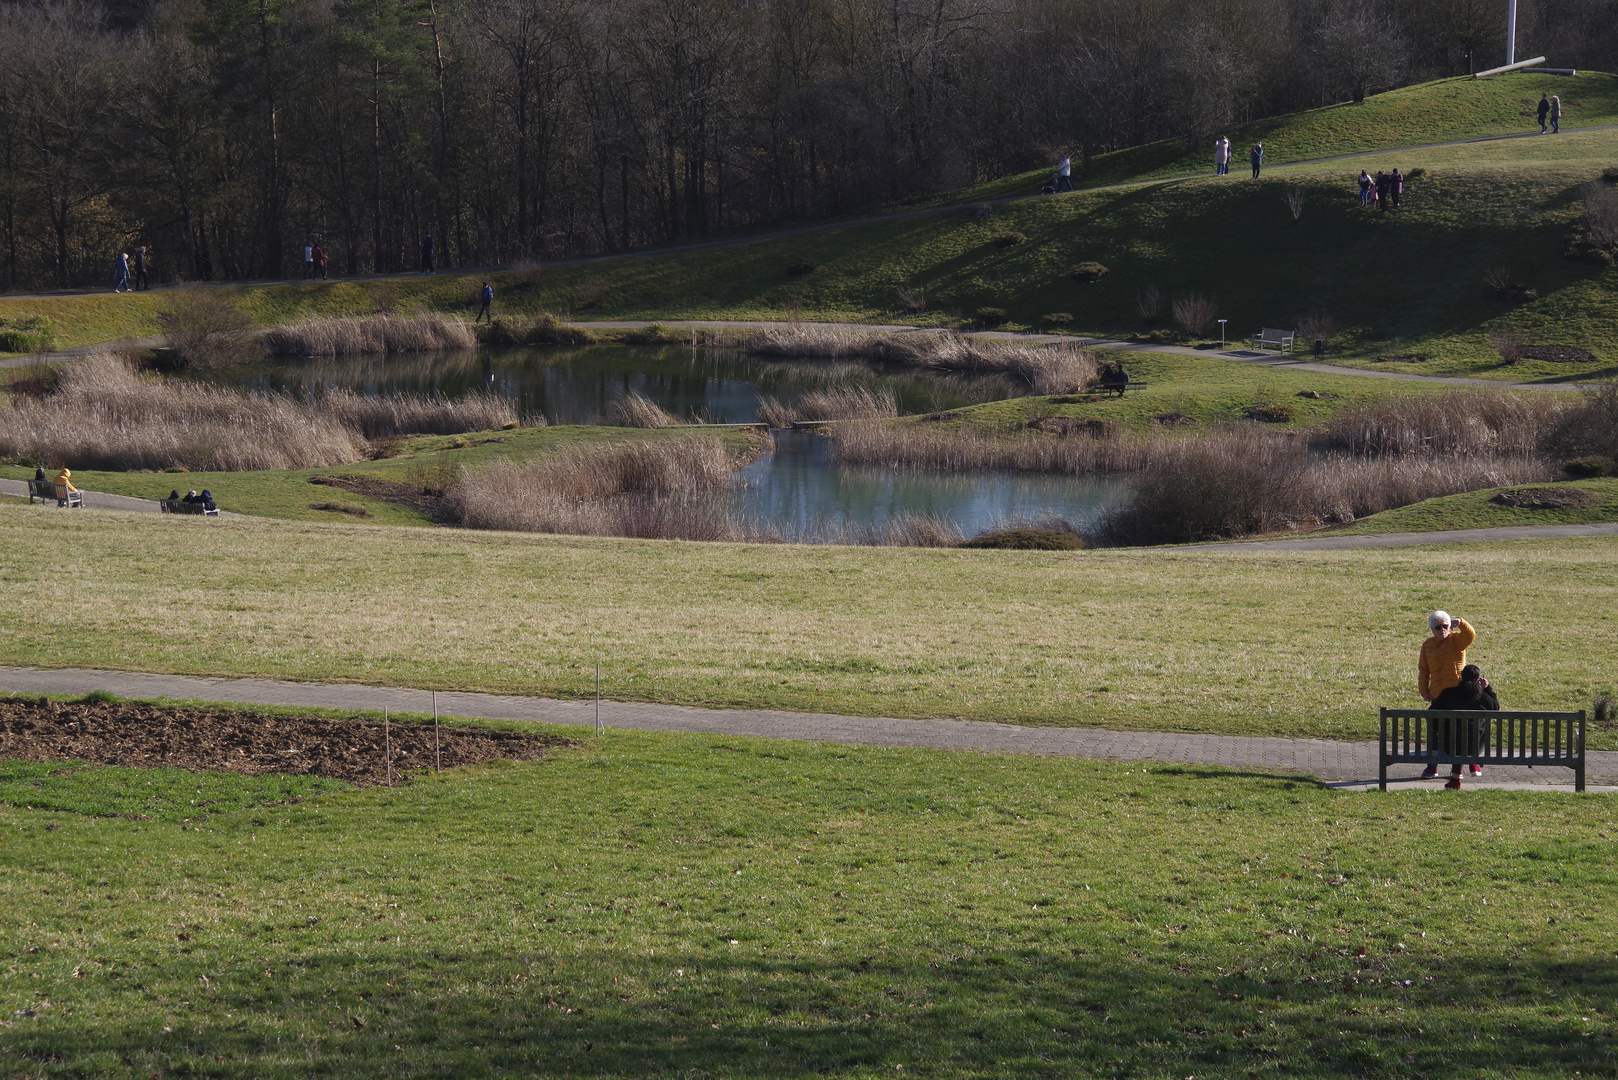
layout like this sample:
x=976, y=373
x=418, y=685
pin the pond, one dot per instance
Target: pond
x=796, y=488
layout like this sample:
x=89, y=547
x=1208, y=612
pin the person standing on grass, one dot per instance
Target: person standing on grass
x=1256, y=156
x=1064, y=174
x=143, y=264
x=1544, y=108
x=1556, y=114
x=1396, y=185
x=308, y=262
x=428, y=250
x=320, y=262
x=120, y=273
x=1443, y=655
x=1471, y=694
x=1222, y=155
x=1384, y=189
x=485, y=304
x=1365, y=188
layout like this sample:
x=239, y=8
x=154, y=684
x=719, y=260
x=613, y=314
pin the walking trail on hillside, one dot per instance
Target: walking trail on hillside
x=1343, y=765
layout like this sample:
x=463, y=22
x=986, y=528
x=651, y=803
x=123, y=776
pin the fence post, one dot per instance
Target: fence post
x=598, y=727
x=435, y=732
x=387, y=743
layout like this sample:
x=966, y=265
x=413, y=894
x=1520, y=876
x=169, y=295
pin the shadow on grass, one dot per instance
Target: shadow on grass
x=1291, y=1006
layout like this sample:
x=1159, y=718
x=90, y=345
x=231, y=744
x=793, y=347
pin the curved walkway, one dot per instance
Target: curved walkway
x=93, y=500
x=1410, y=539
x=1342, y=764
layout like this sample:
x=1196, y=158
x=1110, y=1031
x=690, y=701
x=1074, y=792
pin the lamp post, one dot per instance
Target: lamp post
x=1511, y=31
x=1222, y=323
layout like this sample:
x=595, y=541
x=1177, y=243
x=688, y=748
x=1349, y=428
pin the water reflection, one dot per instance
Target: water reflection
x=574, y=386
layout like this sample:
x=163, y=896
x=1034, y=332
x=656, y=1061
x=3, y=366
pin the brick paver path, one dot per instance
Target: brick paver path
x=1323, y=758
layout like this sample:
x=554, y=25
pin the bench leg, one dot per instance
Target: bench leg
x=1578, y=776
x=1382, y=776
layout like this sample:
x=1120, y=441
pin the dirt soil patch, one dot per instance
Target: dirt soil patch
x=1546, y=498
x=150, y=736
x=388, y=491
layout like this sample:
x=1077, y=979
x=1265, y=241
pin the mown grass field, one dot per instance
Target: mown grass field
x=688, y=905
x=1405, y=284
x=1305, y=643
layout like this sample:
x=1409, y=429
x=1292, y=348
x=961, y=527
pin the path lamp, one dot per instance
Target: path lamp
x=1222, y=323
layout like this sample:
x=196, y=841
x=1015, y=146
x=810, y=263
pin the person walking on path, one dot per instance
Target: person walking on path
x=485, y=304
x=1256, y=156
x=120, y=273
x=308, y=262
x=1064, y=174
x=1544, y=108
x=1396, y=185
x=428, y=250
x=1556, y=114
x=1222, y=155
x=320, y=262
x=1443, y=655
x=1471, y=694
x=1365, y=188
x=143, y=265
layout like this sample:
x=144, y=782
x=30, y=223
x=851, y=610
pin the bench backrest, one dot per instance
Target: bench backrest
x=1269, y=334
x=1505, y=736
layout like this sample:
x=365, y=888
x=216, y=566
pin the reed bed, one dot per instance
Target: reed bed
x=1455, y=422
x=916, y=446
x=637, y=410
x=104, y=414
x=381, y=333
x=1043, y=369
x=833, y=403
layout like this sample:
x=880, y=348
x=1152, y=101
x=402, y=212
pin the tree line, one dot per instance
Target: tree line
x=227, y=134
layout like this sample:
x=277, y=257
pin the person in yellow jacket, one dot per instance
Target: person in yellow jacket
x=64, y=478
x=1442, y=657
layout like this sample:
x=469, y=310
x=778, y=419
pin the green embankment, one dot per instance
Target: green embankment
x=662, y=905
x=1407, y=284
x=1477, y=510
x=1306, y=643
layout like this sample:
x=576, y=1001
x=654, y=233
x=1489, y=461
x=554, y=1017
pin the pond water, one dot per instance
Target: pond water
x=796, y=488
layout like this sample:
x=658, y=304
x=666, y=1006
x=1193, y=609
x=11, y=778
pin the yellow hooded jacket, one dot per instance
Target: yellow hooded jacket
x=63, y=479
x=1442, y=660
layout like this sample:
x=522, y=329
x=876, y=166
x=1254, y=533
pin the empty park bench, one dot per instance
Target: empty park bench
x=1443, y=737
x=45, y=489
x=180, y=506
x=1270, y=337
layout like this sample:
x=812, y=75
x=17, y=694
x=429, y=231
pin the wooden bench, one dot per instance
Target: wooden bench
x=47, y=489
x=1280, y=339
x=180, y=506
x=1102, y=389
x=1444, y=737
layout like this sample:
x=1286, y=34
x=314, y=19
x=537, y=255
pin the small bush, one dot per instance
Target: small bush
x=98, y=697
x=1149, y=303
x=637, y=410
x=341, y=508
x=1415, y=174
x=1057, y=318
x=1317, y=324
x=1510, y=344
x=1502, y=283
x=527, y=273
x=800, y=269
x=206, y=329
x=1196, y=315
x=1604, y=711
x=1295, y=198
x=31, y=334
x=1028, y=540
x=1610, y=175
x=1593, y=465
x=1007, y=238
x=911, y=301
x=1271, y=412
x=992, y=316
x=1089, y=271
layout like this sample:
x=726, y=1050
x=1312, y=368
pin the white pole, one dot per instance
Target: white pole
x=1511, y=31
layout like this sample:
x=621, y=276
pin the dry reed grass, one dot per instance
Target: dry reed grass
x=914, y=446
x=1489, y=422
x=105, y=415
x=833, y=403
x=637, y=410
x=1043, y=369
x=381, y=333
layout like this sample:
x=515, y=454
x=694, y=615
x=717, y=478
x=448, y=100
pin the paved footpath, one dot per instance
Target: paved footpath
x=1346, y=765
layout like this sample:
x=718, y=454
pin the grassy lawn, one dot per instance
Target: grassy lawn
x=425, y=461
x=696, y=906
x=1473, y=510
x=1307, y=643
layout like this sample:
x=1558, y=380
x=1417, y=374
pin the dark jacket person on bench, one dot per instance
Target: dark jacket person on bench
x=1114, y=377
x=1471, y=694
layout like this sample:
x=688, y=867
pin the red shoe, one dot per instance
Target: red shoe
x=1453, y=784
x=1477, y=770
x=1429, y=772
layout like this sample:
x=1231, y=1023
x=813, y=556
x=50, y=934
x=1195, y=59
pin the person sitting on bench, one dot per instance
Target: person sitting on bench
x=65, y=480
x=192, y=496
x=174, y=495
x=206, y=499
x=1114, y=377
x=1471, y=694
x=39, y=473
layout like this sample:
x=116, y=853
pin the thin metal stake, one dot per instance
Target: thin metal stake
x=387, y=742
x=599, y=728
x=436, y=764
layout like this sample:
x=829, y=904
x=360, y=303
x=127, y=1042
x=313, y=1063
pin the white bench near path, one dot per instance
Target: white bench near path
x=1270, y=337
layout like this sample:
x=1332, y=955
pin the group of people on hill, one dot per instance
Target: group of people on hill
x=1224, y=152
x=1382, y=190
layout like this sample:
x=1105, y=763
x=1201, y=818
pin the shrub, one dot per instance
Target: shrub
x=1593, y=465
x=540, y=330
x=527, y=274
x=637, y=410
x=590, y=295
x=1416, y=173
x=1604, y=710
x=1149, y=303
x=1510, y=344
x=206, y=329
x=1610, y=175
x=1007, y=238
x=1195, y=314
x=1271, y=412
x=1589, y=427
x=911, y=301
x=1028, y=539
x=1295, y=198
x=1317, y=324
x=1468, y=422
x=800, y=269
x=1057, y=318
x=992, y=316
x=1502, y=283
x=1089, y=271
x=30, y=334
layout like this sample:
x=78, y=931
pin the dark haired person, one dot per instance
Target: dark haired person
x=1472, y=694
x=1544, y=108
x=485, y=304
x=1256, y=157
